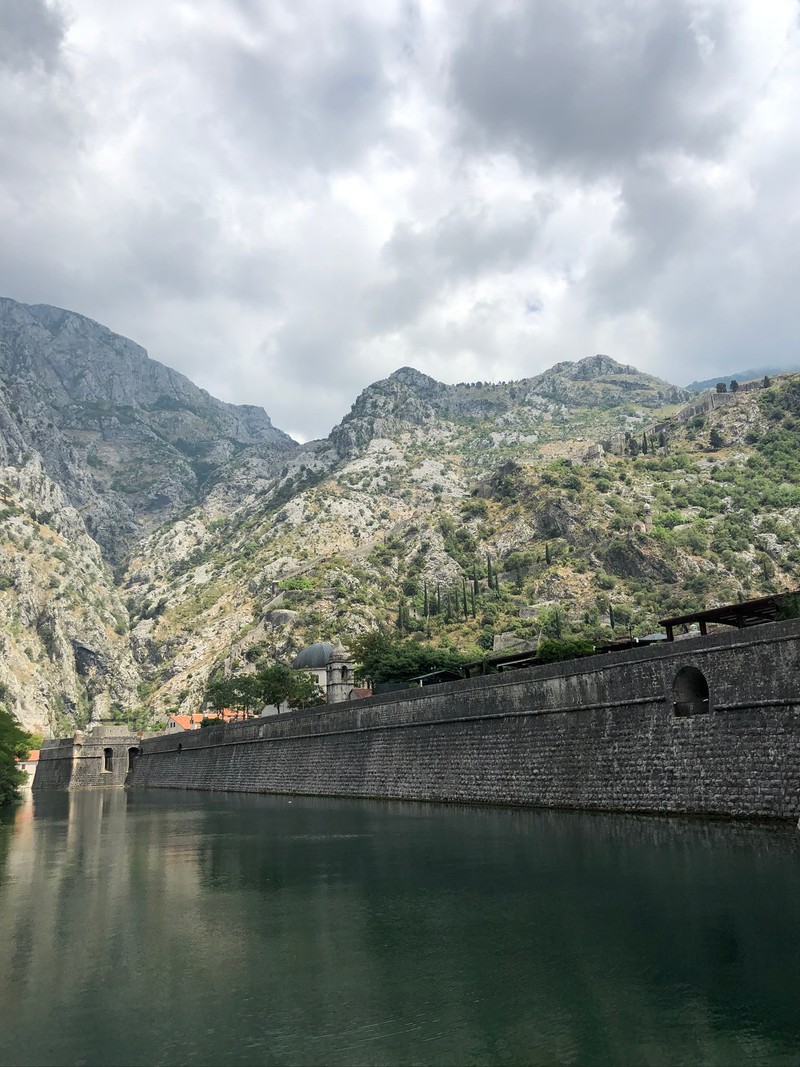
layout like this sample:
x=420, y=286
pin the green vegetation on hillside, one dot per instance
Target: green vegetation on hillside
x=14, y=743
x=447, y=551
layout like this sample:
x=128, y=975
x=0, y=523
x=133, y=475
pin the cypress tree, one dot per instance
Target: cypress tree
x=547, y=553
x=489, y=571
x=611, y=615
x=425, y=599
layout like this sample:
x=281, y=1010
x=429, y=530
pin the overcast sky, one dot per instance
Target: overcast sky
x=289, y=200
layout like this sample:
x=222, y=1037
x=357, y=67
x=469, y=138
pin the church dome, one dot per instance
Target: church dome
x=313, y=657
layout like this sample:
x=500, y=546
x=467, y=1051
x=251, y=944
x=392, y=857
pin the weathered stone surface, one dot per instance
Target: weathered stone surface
x=100, y=757
x=597, y=733
x=130, y=441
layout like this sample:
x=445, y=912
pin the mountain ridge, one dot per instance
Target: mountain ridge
x=150, y=540
x=131, y=441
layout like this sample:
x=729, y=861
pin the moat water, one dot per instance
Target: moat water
x=172, y=928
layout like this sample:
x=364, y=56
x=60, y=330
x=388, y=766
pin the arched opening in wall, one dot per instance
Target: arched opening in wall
x=108, y=759
x=132, y=754
x=690, y=692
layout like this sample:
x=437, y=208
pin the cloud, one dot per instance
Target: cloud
x=288, y=201
x=37, y=127
x=594, y=85
x=31, y=35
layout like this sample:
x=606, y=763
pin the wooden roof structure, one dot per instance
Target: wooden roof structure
x=745, y=613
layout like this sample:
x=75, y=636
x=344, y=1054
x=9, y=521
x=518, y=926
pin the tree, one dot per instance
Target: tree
x=238, y=692
x=14, y=742
x=716, y=440
x=767, y=382
x=551, y=622
x=722, y=387
x=219, y=693
x=277, y=684
x=383, y=659
x=552, y=650
x=734, y=386
x=644, y=443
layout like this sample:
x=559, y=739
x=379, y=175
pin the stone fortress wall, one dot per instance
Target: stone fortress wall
x=708, y=726
x=707, y=401
x=98, y=757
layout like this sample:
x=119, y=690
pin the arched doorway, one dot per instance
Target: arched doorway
x=133, y=753
x=690, y=694
x=108, y=759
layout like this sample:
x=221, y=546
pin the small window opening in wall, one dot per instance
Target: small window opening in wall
x=132, y=754
x=180, y=747
x=108, y=759
x=690, y=692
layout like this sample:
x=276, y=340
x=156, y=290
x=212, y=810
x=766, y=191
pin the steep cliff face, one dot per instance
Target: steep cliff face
x=131, y=442
x=66, y=652
x=99, y=447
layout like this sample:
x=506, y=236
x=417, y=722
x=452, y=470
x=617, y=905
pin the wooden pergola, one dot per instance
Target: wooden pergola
x=745, y=613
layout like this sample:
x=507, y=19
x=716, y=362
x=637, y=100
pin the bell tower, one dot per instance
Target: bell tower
x=339, y=675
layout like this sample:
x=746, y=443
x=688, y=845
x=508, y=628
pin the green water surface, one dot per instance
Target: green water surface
x=173, y=928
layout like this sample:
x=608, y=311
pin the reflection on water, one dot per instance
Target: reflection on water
x=158, y=928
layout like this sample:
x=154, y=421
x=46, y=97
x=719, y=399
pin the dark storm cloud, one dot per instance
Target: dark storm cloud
x=31, y=34
x=591, y=85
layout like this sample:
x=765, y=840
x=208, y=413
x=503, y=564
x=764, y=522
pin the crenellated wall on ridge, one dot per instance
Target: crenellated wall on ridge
x=596, y=733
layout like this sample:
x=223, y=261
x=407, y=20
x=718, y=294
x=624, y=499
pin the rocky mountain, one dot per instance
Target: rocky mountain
x=589, y=398
x=753, y=374
x=153, y=537
x=66, y=650
x=130, y=442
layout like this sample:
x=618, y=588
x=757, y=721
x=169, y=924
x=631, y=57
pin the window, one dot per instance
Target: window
x=132, y=754
x=108, y=759
x=690, y=692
